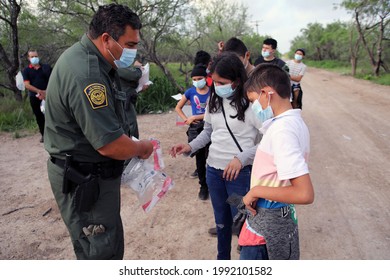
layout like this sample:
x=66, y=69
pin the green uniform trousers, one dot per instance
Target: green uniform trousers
x=106, y=211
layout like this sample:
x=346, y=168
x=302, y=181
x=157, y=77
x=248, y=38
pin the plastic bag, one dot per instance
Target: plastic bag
x=144, y=80
x=146, y=178
x=19, y=81
x=42, y=106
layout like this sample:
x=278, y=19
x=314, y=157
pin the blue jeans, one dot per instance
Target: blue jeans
x=254, y=252
x=219, y=190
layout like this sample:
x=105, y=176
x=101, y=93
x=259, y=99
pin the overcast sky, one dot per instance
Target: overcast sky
x=283, y=19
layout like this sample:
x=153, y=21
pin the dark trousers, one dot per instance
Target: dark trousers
x=201, y=157
x=39, y=116
x=106, y=211
x=297, y=99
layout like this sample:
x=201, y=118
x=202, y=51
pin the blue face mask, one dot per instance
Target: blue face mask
x=34, y=60
x=265, y=54
x=199, y=84
x=262, y=114
x=127, y=58
x=298, y=57
x=224, y=91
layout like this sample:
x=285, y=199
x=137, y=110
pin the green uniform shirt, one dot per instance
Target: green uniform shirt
x=84, y=109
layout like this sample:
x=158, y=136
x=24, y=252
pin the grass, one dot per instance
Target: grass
x=16, y=117
x=345, y=69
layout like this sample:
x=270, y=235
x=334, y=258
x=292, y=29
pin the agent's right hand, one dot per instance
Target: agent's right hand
x=146, y=149
x=179, y=149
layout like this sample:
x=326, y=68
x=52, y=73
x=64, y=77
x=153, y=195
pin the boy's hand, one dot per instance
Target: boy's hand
x=179, y=149
x=250, y=202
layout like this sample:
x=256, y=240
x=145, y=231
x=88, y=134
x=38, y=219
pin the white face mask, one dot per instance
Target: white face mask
x=199, y=84
x=224, y=91
x=265, y=54
x=34, y=60
x=262, y=114
x=127, y=57
x=298, y=57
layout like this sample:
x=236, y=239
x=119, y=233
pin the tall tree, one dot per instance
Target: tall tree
x=354, y=48
x=163, y=22
x=372, y=18
x=9, y=61
x=314, y=33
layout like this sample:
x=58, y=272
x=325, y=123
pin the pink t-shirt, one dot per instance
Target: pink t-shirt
x=281, y=155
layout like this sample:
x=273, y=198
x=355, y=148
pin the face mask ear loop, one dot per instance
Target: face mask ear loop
x=269, y=97
x=111, y=54
x=117, y=44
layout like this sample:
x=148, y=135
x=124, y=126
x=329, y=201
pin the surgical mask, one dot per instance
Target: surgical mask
x=127, y=58
x=199, y=84
x=265, y=54
x=34, y=60
x=262, y=114
x=224, y=91
x=298, y=57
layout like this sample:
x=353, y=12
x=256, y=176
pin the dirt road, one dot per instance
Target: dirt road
x=350, y=166
x=349, y=122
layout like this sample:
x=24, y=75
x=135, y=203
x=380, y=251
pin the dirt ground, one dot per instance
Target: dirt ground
x=349, y=164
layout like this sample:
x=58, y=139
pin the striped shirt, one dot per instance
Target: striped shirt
x=296, y=69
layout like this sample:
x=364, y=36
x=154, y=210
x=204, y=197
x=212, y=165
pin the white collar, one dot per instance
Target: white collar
x=288, y=113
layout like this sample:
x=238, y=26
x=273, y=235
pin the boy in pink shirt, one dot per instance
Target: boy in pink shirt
x=280, y=175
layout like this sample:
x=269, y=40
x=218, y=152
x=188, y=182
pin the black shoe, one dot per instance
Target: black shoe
x=213, y=231
x=203, y=193
x=41, y=141
x=194, y=175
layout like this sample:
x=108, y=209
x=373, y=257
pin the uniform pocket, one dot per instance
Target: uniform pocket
x=98, y=247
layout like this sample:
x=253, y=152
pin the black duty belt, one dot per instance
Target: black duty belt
x=106, y=169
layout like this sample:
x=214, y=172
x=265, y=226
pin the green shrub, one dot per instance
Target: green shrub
x=362, y=72
x=16, y=116
x=157, y=98
x=383, y=79
x=173, y=67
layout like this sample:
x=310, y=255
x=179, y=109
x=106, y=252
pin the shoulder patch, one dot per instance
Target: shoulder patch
x=97, y=95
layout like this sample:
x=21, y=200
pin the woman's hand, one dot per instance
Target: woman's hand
x=232, y=170
x=179, y=149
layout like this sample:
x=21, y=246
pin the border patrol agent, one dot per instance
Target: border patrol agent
x=86, y=134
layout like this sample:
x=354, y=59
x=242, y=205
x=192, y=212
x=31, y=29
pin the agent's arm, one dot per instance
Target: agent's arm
x=124, y=148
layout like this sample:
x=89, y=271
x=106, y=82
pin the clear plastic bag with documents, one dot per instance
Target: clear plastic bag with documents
x=147, y=179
